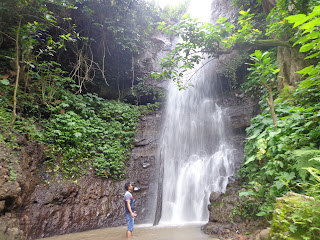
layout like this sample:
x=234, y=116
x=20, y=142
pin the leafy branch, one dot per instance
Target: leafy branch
x=205, y=40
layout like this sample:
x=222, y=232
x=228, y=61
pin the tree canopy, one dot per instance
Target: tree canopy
x=55, y=58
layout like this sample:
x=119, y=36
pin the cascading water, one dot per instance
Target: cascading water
x=196, y=157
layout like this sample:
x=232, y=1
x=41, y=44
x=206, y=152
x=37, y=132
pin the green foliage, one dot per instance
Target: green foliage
x=13, y=173
x=277, y=161
x=48, y=78
x=5, y=115
x=246, y=3
x=306, y=159
x=93, y=42
x=296, y=218
x=146, y=94
x=197, y=40
x=278, y=26
x=274, y=159
x=202, y=41
x=263, y=71
x=246, y=31
x=263, y=67
x=173, y=13
x=247, y=209
x=307, y=37
x=313, y=186
x=79, y=132
x=128, y=20
x=88, y=131
x=308, y=34
x=113, y=33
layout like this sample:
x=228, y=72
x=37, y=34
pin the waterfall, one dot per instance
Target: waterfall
x=196, y=157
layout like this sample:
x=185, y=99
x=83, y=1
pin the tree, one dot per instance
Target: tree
x=28, y=28
x=205, y=40
x=266, y=72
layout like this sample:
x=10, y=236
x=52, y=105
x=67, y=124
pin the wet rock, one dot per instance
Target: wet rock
x=148, y=60
x=14, y=233
x=240, y=110
x=218, y=229
x=2, y=204
x=64, y=207
x=214, y=196
x=9, y=189
x=142, y=165
x=222, y=204
x=92, y=202
x=146, y=164
x=222, y=221
x=9, y=227
x=141, y=142
x=264, y=235
x=21, y=140
x=3, y=226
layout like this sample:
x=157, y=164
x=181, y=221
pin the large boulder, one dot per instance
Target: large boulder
x=221, y=205
x=295, y=216
x=224, y=219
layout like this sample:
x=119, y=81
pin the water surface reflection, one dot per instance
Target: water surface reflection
x=142, y=232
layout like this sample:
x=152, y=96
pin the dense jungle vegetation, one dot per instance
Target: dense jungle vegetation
x=67, y=79
x=282, y=151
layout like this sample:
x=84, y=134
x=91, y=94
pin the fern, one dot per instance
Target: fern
x=313, y=187
x=306, y=158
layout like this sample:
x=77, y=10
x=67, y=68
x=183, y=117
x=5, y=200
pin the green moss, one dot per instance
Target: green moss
x=296, y=217
x=215, y=204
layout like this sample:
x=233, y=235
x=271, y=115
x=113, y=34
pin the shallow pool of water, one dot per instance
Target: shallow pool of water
x=141, y=232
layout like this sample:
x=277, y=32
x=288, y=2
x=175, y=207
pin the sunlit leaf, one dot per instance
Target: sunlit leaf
x=5, y=82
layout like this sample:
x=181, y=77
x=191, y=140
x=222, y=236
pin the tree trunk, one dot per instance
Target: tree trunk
x=14, y=112
x=271, y=105
x=268, y=43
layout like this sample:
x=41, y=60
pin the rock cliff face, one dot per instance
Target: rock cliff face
x=224, y=223
x=240, y=110
x=148, y=61
x=290, y=61
x=30, y=208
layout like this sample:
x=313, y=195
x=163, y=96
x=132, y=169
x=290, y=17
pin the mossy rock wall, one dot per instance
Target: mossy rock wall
x=296, y=217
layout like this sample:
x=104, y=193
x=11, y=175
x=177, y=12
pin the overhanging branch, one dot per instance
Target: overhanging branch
x=269, y=43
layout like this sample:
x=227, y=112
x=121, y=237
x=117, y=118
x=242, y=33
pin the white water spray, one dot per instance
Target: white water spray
x=196, y=157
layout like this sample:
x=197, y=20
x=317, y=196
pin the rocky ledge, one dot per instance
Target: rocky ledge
x=225, y=223
x=31, y=208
